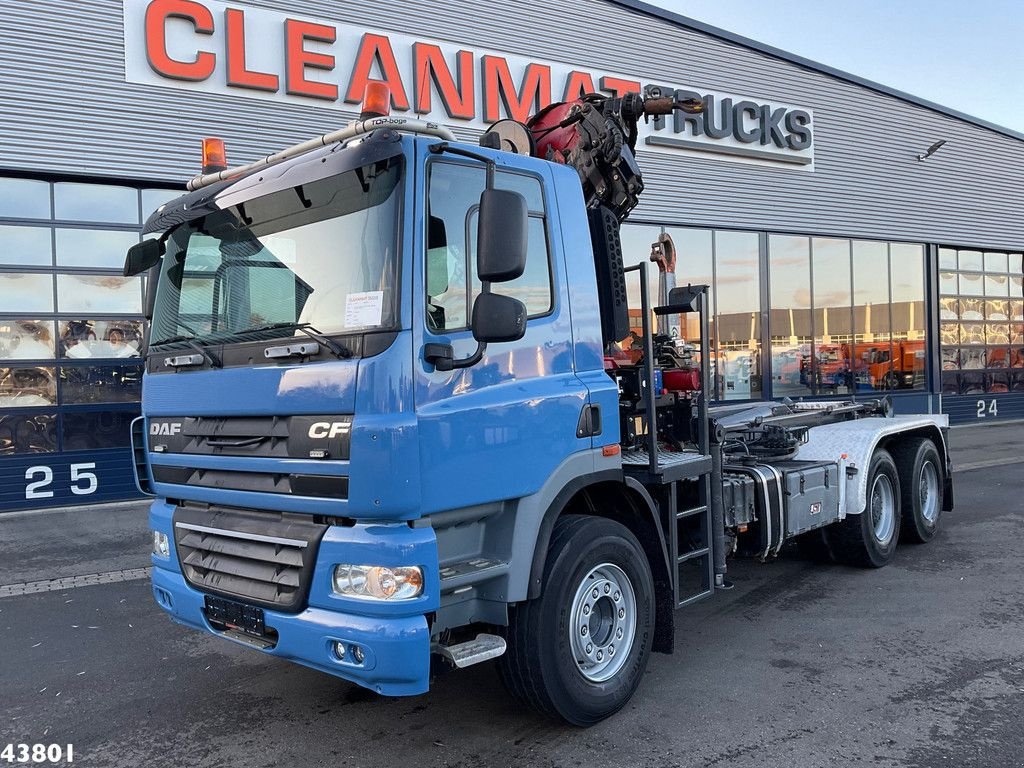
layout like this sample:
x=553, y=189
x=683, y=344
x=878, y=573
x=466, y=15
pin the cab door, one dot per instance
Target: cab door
x=500, y=428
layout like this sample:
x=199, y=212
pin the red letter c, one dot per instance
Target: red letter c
x=157, y=14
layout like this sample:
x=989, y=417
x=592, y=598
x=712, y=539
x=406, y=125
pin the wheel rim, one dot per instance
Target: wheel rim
x=603, y=622
x=883, y=509
x=929, y=492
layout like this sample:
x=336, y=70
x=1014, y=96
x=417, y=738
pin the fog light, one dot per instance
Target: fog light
x=357, y=654
x=161, y=546
x=339, y=650
x=377, y=582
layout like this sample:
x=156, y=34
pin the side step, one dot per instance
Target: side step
x=483, y=648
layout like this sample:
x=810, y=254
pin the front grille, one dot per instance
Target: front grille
x=325, y=486
x=262, y=558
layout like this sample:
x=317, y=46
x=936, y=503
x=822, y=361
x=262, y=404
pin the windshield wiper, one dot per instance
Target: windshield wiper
x=196, y=344
x=339, y=351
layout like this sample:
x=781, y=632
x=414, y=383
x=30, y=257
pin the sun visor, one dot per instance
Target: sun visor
x=312, y=166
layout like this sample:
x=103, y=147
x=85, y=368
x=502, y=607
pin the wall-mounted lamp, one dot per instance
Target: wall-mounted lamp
x=932, y=149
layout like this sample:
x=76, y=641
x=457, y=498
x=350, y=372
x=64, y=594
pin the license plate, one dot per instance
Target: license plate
x=238, y=616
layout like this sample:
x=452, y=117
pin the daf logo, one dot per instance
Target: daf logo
x=322, y=429
x=167, y=428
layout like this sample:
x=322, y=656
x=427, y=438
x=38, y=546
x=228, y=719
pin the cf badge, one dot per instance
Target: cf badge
x=328, y=429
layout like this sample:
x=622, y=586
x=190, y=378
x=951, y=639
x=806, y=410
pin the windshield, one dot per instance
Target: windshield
x=321, y=255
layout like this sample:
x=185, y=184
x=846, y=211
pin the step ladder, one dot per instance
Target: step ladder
x=690, y=542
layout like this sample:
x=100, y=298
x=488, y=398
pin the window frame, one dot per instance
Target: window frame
x=544, y=215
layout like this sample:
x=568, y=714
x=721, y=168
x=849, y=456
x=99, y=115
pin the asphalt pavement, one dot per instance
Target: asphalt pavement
x=917, y=665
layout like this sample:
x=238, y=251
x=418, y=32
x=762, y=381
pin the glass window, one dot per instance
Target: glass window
x=947, y=258
x=738, y=321
x=997, y=309
x=81, y=384
x=997, y=285
x=26, y=340
x=789, y=269
x=1016, y=263
x=972, y=284
x=694, y=266
x=971, y=260
x=26, y=246
x=972, y=309
x=92, y=431
x=948, y=283
x=154, y=198
x=26, y=292
x=27, y=387
x=527, y=186
x=996, y=262
x=908, y=316
x=95, y=202
x=325, y=254
x=454, y=190
x=93, y=247
x=99, y=293
x=82, y=339
x=872, y=326
x=24, y=199
x=28, y=433
x=533, y=287
x=636, y=249
x=450, y=261
x=833, y=316
x=949, y=308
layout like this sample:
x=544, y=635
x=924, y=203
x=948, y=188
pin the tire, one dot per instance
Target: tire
x=540, y=666
x=869, y=539
x=922, y=480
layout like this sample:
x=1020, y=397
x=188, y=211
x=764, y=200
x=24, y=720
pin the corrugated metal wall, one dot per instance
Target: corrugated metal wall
x=67, y=108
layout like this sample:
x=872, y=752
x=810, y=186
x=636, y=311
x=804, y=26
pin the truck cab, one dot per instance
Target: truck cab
x=307, y=478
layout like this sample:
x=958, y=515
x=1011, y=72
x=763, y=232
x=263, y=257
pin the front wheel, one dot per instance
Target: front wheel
x=869, y=539
x=579, y=651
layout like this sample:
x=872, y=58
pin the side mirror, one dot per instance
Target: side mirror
x=142, y=257
x=498, y=318
x=502, y=236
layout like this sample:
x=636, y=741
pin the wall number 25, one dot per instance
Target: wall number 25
x=990, y=408
x=83, y=482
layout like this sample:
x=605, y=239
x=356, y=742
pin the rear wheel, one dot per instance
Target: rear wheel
x=869, y=539
x=922, y=481
x=578, y=651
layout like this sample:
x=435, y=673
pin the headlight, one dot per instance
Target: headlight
x=161, y=546
x=377, y=582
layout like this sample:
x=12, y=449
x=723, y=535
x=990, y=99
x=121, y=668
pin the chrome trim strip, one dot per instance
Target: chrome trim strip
x=238, y=535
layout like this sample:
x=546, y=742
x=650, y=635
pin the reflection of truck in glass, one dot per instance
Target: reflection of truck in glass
x=899, y=366
x=356, y=472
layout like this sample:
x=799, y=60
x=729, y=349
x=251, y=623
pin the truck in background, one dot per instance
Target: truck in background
x=381, y=425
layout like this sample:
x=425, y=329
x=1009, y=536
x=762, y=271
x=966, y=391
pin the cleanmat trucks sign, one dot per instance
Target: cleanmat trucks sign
x=227, y=48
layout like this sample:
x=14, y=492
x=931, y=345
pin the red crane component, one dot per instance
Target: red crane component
x=597, y=136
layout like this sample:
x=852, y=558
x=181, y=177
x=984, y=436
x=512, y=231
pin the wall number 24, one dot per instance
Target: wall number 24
x=83, y=482
x=990, y=408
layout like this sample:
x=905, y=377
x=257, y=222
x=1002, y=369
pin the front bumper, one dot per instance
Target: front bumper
x=395, y=638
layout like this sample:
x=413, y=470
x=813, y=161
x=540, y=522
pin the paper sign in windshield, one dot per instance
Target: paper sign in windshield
x=363, y=309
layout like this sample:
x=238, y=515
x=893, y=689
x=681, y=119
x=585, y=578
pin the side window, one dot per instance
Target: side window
x=453, y=202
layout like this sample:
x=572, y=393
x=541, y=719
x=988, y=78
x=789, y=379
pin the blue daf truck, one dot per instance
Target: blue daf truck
x=388, y=420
